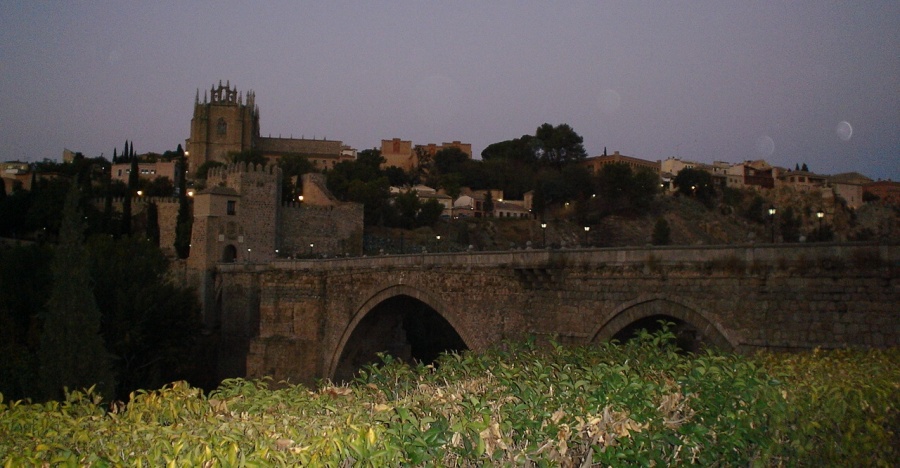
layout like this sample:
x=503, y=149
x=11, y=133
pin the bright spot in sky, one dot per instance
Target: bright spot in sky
x=844, y=130
x=765, y=145
x=609, y=101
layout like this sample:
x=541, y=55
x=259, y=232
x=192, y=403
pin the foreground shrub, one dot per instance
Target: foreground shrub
x=638, y=403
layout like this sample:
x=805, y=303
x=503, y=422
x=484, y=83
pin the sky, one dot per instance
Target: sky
x=815, y=82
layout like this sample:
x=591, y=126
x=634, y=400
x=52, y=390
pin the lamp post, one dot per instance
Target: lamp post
x=820, y=214
x=772, y=220
x=587, y=230
x=311, y=245
x=401, y=242
x=544, y=233
x=438, y=246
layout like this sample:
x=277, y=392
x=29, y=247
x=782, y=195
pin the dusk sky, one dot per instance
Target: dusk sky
x=814, y=82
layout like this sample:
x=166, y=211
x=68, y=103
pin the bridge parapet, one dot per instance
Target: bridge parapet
x=297, y=319
x=783, y=256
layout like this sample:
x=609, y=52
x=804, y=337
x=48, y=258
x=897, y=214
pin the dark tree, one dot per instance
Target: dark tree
x=250, y=156
x=488, y=205
x=184, y=220
x=429, y=213
x=695, y=183
x=661, y=232
x=2, y=190
x=293, y=166
x=558, y=145
x=804, y=167
x=519, y=150
x=397, y=177
x=153, y=224
x=204, y=168
x=148, y=322
x=26, y=280
x=133, y=179
x=72, y=353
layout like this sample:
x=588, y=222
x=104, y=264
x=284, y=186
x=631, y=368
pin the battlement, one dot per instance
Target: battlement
x=223, y=172
x=118, y=201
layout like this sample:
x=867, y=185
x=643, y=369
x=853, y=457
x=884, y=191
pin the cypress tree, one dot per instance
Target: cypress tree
x=153, y=224
x=184, y=220
x=72, y=353
x=132, y=187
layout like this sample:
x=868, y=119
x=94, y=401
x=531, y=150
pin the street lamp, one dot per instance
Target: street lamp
x=544, y=232
x=820, y=214
x=438, y=247
x=772, y=219
x=587, y=230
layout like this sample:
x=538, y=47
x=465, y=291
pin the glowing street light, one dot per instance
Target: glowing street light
x=544, y=232
x=820, y=214
x=587, y=230
x=772, y=219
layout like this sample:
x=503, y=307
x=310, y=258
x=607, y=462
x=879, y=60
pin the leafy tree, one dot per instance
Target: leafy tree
x=204, y=168
x=158, y=187
x=519, y=150
x=72, y=353
x=293, y=166
x=397, y=177
x=148, y=322
x=804, y=168
x=662, y=232
x=429, y=213
x=449, y=161
x=558, y=145
x=45, y=206
x=695, y=183
x=249, y=156
x=407, y=208
x=25, y=276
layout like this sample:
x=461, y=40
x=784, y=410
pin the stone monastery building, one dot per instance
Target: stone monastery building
x=228, y=121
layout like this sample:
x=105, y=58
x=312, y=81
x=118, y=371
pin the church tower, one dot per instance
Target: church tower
x=221, y=125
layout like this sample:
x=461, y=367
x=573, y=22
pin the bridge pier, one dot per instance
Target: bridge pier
x=305, y=320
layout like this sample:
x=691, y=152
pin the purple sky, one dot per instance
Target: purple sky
x=698, y=80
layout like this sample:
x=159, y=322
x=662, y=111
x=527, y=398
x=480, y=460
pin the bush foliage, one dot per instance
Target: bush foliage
x=638, y=403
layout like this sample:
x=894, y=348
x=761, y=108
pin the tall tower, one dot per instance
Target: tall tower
x=221, y=125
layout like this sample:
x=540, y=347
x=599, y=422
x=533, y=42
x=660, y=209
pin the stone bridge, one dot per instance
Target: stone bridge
x=303, y=320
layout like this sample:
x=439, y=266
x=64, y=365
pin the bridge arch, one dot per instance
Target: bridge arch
x=647, y=309
x=397, y=317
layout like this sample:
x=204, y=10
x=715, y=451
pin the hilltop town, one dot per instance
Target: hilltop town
x=335, y=194
x=157, y=230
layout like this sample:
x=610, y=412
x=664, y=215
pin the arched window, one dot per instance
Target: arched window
x=221, y=126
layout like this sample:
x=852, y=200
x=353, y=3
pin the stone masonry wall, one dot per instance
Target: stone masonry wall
x=333, y=230
x=794, y=297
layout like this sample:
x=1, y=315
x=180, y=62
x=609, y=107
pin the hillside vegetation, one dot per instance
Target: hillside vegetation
x=638, y=403
x=732, y=221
